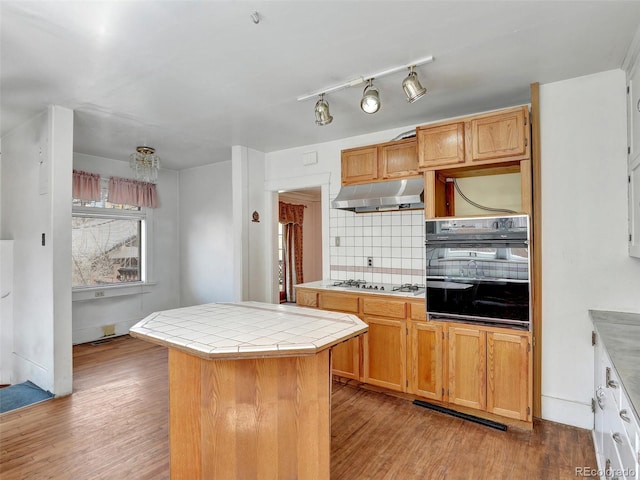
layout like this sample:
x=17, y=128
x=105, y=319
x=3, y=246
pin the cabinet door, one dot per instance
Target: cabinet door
x=467, y=367
x=500, y=136
x=508, y=374
x=345, y=358
x=441, y=145
x=385, y=353
x=634, y=206
x=398, y=159
x=426, y=360
x=359, y=165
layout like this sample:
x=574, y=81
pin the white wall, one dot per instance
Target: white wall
x=585, y=264
x=36, y=192
x=206, y=235
x=89, y=316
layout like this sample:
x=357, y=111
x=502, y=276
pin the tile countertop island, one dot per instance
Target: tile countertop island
x=249, y=387
x=620, y=334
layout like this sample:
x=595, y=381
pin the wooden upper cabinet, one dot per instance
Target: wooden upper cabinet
x=441, y=145
x=398, y=159
x=360, y=165
x=500, y=135
x=385, y=161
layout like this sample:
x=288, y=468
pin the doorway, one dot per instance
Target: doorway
x=311, y=200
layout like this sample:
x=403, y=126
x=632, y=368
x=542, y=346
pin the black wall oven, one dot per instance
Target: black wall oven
x=478, y=270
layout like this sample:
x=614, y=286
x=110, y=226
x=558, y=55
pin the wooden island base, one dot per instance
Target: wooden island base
x=247, y=419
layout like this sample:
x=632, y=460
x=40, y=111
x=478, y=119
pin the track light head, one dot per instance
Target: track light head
x=370, y=102
x=412, y=88
x=323, y=117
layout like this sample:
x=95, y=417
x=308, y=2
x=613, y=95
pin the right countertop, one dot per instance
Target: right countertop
x=620, y=334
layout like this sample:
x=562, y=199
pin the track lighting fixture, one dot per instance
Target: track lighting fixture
x=322, y=112
x=370, y=102
x=411, y=86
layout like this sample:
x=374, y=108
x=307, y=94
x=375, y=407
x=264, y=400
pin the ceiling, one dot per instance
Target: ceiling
x=193, y=78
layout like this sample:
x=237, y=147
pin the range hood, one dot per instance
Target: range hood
x=406, y=194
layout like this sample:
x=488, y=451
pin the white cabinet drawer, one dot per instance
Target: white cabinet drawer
x=624, y=454
x=612, y=381
x=629, y=421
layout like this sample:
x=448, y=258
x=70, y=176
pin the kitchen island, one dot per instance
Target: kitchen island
x=249, y=388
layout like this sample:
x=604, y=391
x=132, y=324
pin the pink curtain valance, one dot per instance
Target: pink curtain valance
x=86, y=186
x=133, y=192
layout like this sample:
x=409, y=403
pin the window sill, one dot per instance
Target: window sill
x=98, y=293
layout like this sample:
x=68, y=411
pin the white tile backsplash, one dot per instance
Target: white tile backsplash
x=395, y=241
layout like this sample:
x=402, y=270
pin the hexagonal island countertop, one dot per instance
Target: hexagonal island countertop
x=248, y=330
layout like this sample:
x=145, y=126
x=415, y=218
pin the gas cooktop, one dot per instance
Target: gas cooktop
x=405, y=288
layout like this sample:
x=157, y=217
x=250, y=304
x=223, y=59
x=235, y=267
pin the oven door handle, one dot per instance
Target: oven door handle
x=431, y=243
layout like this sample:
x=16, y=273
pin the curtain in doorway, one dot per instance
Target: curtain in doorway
x=291, y=217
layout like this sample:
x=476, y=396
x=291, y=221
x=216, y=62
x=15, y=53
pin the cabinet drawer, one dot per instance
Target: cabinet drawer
x=339, y=302
x=418, y=311
x=307, y=298
x=630, y=423
x=384, y=308
x=612, y=381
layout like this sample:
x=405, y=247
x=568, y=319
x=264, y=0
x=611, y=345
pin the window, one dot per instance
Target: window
x=108, y=244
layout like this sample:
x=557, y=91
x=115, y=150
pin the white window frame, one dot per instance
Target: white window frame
x=145, y=215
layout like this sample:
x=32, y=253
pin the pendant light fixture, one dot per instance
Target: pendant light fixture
x=323, y=117
x=411, y=86
x=145, y=164
x=370, y=102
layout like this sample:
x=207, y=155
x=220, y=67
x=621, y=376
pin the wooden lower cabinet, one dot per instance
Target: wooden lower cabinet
x=467, y=367
x=484, y=368
x=426, y=360
x=345, y=359
x=385, y=353
x=490, y=370
x=508, y=373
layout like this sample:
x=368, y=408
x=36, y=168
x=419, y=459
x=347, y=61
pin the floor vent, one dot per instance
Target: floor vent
x=465, y=416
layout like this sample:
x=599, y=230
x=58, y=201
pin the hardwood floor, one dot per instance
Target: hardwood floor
x=115, y=426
